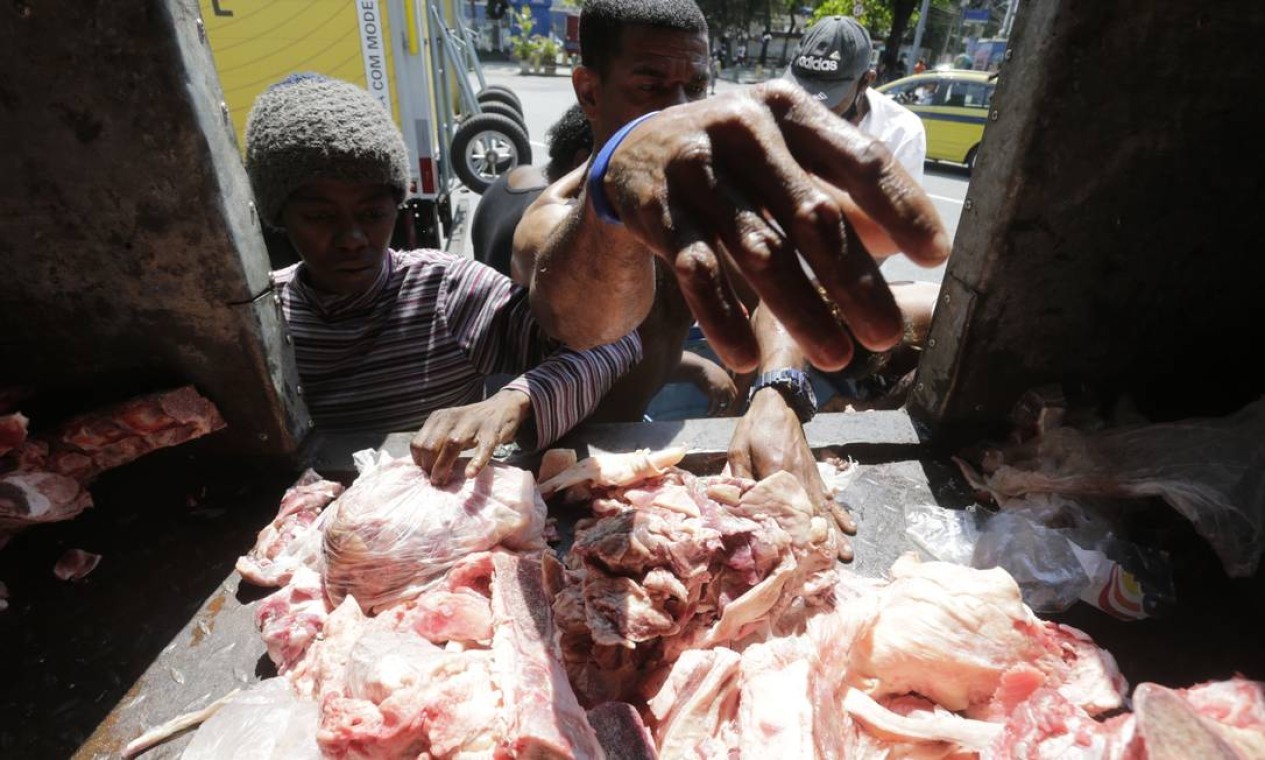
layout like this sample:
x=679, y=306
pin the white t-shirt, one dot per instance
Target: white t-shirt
x=899, y=128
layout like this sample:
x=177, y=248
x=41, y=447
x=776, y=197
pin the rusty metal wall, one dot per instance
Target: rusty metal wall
x=130, y=258
x=1109, y=236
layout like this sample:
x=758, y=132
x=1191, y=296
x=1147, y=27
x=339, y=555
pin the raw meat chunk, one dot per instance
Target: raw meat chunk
x=292, y=540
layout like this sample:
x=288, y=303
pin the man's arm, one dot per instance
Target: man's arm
x=758, y=176
x=572, y=261
x=770, y=437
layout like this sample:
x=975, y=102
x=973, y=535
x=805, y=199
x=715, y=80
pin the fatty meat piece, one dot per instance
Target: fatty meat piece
x=292, y=618
x=293, y=539
x=954, y=634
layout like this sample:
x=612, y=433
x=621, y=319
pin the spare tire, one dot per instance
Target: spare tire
x=486, y=146
x=508, y=99
x=506, y=111
x=508, y=95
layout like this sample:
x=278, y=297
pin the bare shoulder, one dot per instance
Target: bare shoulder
x=550, y=209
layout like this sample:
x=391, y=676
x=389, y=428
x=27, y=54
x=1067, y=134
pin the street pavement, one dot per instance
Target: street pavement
x=544, y=98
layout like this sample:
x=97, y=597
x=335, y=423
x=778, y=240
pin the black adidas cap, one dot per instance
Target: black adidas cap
x=830, y=57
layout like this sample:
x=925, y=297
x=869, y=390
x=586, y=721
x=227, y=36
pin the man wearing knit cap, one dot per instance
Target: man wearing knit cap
x=832, y=62
x=391, y=340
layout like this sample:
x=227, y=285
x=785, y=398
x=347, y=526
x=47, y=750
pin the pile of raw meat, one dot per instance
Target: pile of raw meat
x=691, y=617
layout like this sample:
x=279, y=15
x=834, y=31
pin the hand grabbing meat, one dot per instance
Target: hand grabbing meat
x=482, y=426
x=769, y=438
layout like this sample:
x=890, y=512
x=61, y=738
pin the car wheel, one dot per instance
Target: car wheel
x=501, y=98
x=970, y=159
x=503, y=93
x=506, y=111
x=486, y=146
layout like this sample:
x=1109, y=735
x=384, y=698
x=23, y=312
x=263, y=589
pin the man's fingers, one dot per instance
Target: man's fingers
x=428, y=441
x=711, y=298
x=842, y=517
x=483, y=451
x=740, y=461
x=451, y=448
x=854, y=282
x=811, y=218
x=765, y=258
x=845, y=549
x=862, y=166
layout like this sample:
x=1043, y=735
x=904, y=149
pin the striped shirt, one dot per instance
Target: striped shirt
x=425, y=336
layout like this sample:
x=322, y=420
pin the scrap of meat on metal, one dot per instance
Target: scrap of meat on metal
x=44, y=478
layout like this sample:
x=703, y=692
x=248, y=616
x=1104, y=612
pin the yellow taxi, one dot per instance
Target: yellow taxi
x=953, y=105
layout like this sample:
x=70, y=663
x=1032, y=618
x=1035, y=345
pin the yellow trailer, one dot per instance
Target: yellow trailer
x=403, y=52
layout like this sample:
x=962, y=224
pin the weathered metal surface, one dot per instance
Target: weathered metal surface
x=871, y=435
x=1106, y=236
x=78, y=655
x=129, y=251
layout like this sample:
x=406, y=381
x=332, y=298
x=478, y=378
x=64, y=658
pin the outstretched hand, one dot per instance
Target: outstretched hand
x=482, y=426
x=752, y=178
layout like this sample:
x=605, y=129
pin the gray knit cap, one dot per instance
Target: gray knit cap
x=308, y=126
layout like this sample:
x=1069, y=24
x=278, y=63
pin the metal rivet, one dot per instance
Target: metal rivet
x=994, y=115
x=254, y=212
x=931, y=343
x=201, y=30
x=289, y=341
x=919, y=387
x=263, y=436
x=224, y=111
x=969, y=204
x=276, y=298
x=947, y=299
x=1009, y=54
x=298, y=389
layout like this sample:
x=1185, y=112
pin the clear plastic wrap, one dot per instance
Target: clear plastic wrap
x=1058, y=550
x=267, y=722
x=393, y=533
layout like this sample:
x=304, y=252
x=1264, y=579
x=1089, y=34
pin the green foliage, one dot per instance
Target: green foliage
x=549, y=49
x=876, y=15
x=525, y=46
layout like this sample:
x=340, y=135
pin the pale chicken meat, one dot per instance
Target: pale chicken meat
x=614, y=469
x=952, y=634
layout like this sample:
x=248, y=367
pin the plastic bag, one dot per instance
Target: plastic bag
x=948, y=535
x=1058, y=550
x=267, y=722
x=393, y=533
x=1212, y=471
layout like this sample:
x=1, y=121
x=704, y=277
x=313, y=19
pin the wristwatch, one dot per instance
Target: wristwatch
x=794, y=386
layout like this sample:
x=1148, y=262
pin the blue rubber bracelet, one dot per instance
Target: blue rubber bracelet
x=597, y=172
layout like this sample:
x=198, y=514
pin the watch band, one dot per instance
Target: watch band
x=795, y=387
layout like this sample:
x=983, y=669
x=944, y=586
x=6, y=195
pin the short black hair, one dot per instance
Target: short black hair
x=601, y=22
x=568, y=135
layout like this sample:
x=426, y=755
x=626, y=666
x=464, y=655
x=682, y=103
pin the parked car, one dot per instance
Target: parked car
x=953, y=106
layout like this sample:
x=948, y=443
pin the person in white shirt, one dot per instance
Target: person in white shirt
x=832, y=62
